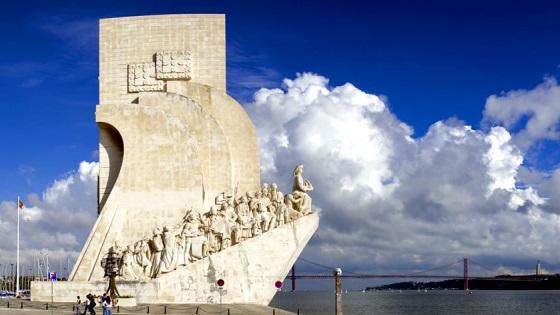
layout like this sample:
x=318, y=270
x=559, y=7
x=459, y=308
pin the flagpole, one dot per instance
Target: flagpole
x=17, y=251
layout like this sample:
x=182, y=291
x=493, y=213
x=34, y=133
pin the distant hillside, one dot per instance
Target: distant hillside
x=525, y=282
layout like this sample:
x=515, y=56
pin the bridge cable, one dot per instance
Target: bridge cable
x=434, y=269
x=366, y=274
x=316, y=264
x=331, y=268
x=481, y=266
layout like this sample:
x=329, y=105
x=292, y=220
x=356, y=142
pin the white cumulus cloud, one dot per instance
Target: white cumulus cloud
x=535, y=113
x=57, y=223
x=385, y=197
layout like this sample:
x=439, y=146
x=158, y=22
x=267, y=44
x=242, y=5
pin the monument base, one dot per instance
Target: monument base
x=249, y=271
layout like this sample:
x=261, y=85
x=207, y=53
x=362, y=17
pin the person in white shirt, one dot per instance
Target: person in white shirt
x=78, y=304
x=108, y=305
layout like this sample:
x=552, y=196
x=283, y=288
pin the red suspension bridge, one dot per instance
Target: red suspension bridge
x=421, y=274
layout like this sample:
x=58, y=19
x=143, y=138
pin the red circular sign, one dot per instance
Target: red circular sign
x=278, y=284
x=221, y=282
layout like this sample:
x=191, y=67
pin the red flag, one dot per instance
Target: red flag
x=20, y=204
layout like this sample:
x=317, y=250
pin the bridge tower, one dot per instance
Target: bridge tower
x=466, y=273
x=293, y=277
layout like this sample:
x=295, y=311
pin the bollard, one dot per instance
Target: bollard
x=196, y=310
x=21, y=305
x=273, y=311
x=298, y=311
x=118, y=308
x=228, y=311
x=337, y=272
x=165, y=309
x=148, y=310
x=47, y=306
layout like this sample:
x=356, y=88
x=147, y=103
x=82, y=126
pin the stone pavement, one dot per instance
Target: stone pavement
x=25, y=307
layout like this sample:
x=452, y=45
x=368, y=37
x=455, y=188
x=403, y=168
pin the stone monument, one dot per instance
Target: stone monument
x=183, y=217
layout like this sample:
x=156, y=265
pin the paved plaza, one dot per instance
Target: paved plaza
x=24, y=307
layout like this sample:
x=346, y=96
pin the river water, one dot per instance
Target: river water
x=432, y=302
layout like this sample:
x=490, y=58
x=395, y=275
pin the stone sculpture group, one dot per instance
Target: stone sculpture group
x=231, y=220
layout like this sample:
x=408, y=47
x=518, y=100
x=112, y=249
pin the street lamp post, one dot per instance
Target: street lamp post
x=338, y=304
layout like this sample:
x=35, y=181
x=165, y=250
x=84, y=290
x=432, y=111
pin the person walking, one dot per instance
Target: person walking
x=91, y=303
x=78, y=305
x=102, y=302
x=108, y=306
x=86, y=306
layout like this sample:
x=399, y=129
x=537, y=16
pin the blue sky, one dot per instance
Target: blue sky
x=439, y=76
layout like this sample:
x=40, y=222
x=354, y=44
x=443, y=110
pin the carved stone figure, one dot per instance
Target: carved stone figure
x=192, y=243
x=264, y=190
x=266, y=218
x=244, y=219
x=169, y=253
x=214, y=230
x=127, y=271
x=255, y=203
x=275, y=195
x=299, y=200
x=143, y=256
x=225, y=225
x=156, y=245
x=231, y=218
x=256, y=229
x=271, y=215
x=281, y=213
x=249, y=197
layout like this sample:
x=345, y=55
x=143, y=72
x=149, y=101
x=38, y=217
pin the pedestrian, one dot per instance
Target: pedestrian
x=108, y=306
x=86, y=305
x=102, y=302
x=78, y=304
x=91, y=299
